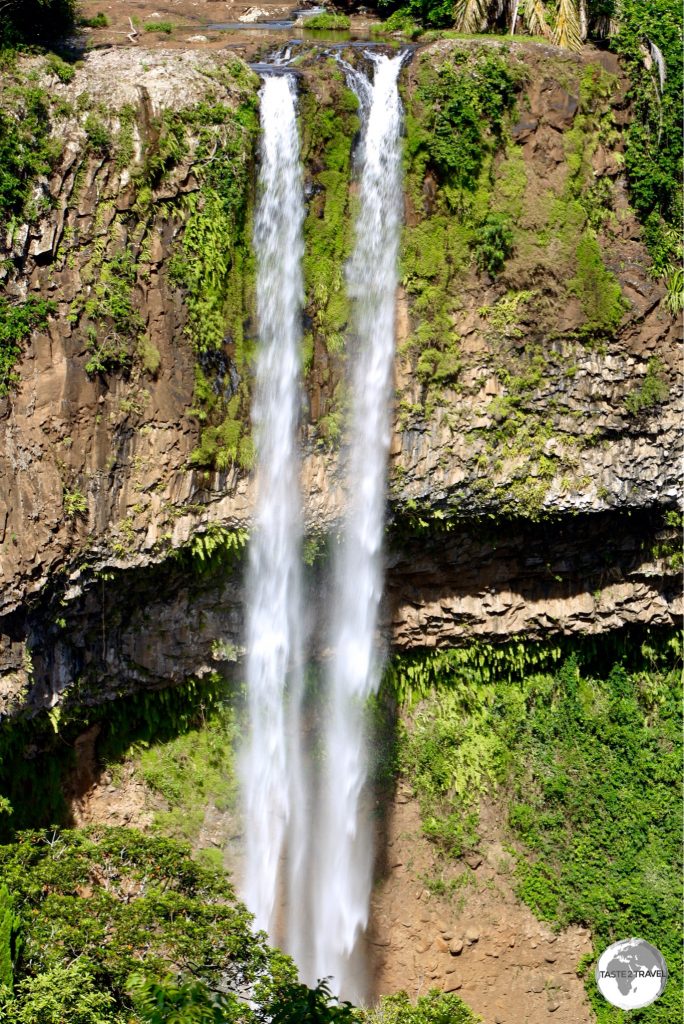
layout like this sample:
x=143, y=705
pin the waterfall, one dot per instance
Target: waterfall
x=271, y=766
x=344, y=849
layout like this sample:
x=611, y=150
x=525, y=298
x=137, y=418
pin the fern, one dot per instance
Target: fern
x=674, y=300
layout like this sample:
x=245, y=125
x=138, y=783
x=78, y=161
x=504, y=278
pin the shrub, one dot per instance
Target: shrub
x=75, y=504
x=327, y=20
x=165, y=27
x=26, y=150
x=98, y=134
x=434, y=1008
x=494, y=243
x=101, y=904
x=652, y=392
x=60, y=68
x=100, y=20
x=33, y=20
x=17, y=321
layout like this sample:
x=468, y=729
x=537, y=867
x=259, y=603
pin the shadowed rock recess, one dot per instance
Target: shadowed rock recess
x=537, y=431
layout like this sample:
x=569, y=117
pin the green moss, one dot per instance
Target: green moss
x=329, y=123
x=455, y=122
x=598, y=290
x=214, y=266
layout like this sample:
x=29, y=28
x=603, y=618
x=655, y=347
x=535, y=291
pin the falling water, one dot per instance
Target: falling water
x=271, y=762
x=344, y=847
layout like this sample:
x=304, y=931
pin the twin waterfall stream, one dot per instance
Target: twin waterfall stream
x=309, y=844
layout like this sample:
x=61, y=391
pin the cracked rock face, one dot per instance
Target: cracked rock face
x=575, y=453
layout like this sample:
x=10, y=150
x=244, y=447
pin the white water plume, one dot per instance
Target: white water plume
x=344, y=848
x=273, y=788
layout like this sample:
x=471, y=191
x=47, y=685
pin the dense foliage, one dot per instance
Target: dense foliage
x=17, y=321
x=589, y=764
x=100, y=907
x=107, y=926
x=26, y=149
x=434, y=1008
x=214, y=265
x=35, y=20
x=653, y=153
x=653, y=156
x=456, y=121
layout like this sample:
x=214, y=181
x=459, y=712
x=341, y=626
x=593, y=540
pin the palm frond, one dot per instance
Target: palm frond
x=567, y=30
x=470, y=15
x=535, y=18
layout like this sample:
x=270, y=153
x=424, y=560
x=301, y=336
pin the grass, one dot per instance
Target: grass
x=165, y=27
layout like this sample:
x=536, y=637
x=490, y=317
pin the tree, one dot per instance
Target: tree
x=298, y=1004
x=29, y=20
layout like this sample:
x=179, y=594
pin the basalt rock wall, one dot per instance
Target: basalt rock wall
x=537, y=428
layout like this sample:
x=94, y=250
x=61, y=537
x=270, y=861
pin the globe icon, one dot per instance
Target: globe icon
x=631, y=974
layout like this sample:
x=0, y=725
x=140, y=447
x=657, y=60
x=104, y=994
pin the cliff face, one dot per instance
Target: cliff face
x=537, y=378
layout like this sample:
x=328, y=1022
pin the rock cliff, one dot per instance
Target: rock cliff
x=538, y=411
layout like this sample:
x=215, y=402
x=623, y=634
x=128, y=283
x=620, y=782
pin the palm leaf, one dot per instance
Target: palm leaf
x=567, y=30
x=470, y=15
x=535, y=17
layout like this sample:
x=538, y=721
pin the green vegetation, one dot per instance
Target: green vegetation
x=113, y=326
x=652, y=391
x=36, y=755
x=60, y=68
x=653, y=156
x=329, y=123
x=400, y=21
x=494, y=243
x=327, y=20
x=214, y=266
x=75, y=504
x=165, y=27
x=17, y=321
x=597, y=289
x=670, y=544
x=434, y=1008
x=587, y=758
x=100, y=907
x=27, y=21
x=9, y=940
x=100, y=20
x=98, y=134
x=455, y=121
x=653, y=152
x=26, y=148
x=190, y=771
